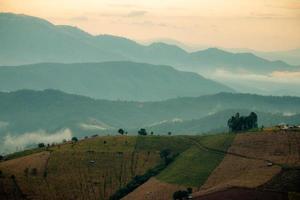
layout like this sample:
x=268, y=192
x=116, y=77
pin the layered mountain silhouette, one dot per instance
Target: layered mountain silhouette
x=27, y=40
x=109, y=80
x=51, y=110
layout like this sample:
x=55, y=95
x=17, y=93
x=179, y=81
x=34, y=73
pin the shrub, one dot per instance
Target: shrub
x=121, y=131
x=41, y=145
x=74, y=139
x=34, y=171
x=142, y=131
x=180, y=195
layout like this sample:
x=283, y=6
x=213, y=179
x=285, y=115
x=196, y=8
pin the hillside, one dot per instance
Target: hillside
x=109, y=80
x=93, y=168
x=52, y=110
x=219, y=168
x=208, y=123
x=27, y=40
x=211, y=165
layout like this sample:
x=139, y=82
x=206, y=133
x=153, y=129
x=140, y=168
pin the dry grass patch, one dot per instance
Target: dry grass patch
x=154, y=190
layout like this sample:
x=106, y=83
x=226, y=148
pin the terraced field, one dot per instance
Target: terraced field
x=93, y=168
x=190, y=169
x=212, y=165
x=253, y=160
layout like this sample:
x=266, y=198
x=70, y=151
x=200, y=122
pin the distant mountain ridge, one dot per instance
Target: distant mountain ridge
x=26, y=40
x=208, y=123
x=110, y=80
x=50, y=110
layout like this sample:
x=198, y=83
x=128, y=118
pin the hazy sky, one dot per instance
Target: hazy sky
x=257, y=24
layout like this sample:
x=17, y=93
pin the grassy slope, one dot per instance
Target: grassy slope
x=194, y=165
x=70, y=173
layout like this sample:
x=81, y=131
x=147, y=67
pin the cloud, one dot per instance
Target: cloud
x=263, y=15
x=137, y=13
x=286, y=75
x=79, y=18
x=3, y=125
x=276, y=76
x=12, y=143
x=289, y=6
x=123, y=5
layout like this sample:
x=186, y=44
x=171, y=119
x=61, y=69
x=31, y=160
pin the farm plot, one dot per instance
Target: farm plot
x=253, y=168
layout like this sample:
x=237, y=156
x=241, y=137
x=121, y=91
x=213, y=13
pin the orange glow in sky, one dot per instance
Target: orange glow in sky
x=268, y=25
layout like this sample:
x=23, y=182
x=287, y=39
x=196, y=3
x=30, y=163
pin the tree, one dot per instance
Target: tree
x=41, y=145
x=190, y=190
x=142, y=131
x=26, y=171
x=239, y=123
x=34, y=171
x=151, y=133
x=165, y=155
x=169, y=133
x=121, y=131
x=74, y=139
x=180, y=195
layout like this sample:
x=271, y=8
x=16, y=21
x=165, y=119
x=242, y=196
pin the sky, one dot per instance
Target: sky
x=264, y=25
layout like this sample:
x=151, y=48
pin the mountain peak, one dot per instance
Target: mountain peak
x=14, y=18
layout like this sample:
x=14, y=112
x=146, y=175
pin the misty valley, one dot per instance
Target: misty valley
x=87, y=116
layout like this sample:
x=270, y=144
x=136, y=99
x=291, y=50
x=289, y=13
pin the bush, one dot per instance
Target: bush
x=41, y=145
x=121, y=131
x=34, y=171
x=26, y=171
x=142, y=131
x=74, y=139
x=165, y=154
x=180, y=195
x=138, y=180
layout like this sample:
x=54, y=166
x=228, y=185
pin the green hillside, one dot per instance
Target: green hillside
x=195, y=164
x=93, y=168
x=208, y=123
x=51, y=111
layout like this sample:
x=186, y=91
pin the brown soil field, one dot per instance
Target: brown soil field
x=251, y=169
x=245, y=194
x=89, y=169
x=23, y=168
x=17, y=166
x=278, y=146
x=154, y=189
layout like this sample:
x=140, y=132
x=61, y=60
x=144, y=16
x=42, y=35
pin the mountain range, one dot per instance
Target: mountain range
x=110, y=80
x=26, y=40
x=51, y=110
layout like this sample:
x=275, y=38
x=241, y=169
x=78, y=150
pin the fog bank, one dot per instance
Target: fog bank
x=12, y=143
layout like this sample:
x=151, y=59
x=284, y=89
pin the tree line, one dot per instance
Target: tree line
x=239, y=123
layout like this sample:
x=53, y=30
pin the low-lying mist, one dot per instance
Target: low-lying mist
x=12, y=143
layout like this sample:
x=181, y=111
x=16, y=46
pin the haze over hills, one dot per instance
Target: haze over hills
x=208, y=123
x=291, y=57
x=28, y=39
x=97, y=112
x=28, y=111
x=109, y=80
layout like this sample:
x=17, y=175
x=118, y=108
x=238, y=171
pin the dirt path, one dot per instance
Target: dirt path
x=219, y=151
